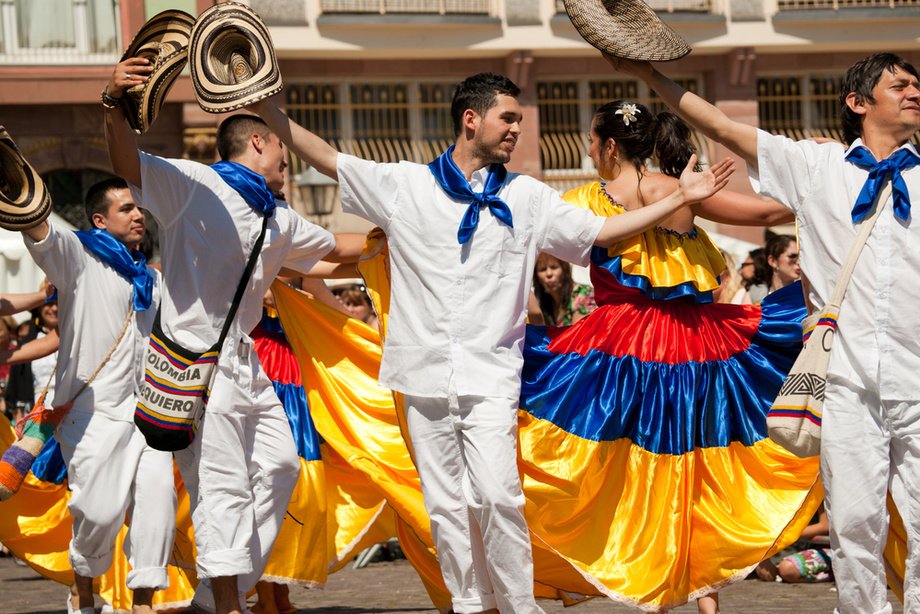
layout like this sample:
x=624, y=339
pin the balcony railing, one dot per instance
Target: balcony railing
x=402, y=7
x=666, y=6
x=791, y=5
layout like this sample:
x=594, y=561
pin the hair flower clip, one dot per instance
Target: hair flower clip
x=629, y=112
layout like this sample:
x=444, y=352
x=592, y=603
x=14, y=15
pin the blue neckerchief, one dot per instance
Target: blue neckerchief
x=130, y=265
x=250, y=185
x=456, y=186
x=900, y=160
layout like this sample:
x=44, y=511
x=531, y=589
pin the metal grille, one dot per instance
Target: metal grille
x=791, y=5
x=425, y=7
x=799, y=107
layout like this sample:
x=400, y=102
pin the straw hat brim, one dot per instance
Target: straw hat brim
x=24, y=198
x=164, y=41
x=627, y=29
x=232, y=59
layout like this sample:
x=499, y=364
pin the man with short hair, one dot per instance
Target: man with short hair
x=107, y=298
x=463, y=237
x=243, y=465
x=870, y=438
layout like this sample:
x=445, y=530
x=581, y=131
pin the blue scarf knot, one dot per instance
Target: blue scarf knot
x=892, y=166
x=250, y=185
x=130, y=265
x=456, y=186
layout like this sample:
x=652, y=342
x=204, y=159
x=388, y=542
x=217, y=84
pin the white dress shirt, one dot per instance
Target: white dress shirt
x=458, y=312
x=878, y=347
x=207, y=232
x=93, y=304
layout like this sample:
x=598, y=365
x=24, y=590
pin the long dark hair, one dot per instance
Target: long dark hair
x=664, y=137
x=548, y=305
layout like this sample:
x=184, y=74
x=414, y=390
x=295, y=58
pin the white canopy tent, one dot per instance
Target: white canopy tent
x=18, y=272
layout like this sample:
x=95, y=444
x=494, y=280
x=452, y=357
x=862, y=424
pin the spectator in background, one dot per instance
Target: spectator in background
x=811, y=561
x=755, y=272
x=27, y=378
x=358, y=304
x=731, y=284
x=557, y=300
x=782, y=253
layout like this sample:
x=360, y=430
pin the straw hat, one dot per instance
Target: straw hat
x=232, y=59
x=24, y=198
x=626, y=29
x=164, y=42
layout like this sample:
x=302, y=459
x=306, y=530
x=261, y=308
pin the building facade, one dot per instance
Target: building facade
x=375, y=77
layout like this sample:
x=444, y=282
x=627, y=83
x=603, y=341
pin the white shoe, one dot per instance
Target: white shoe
x=70, y=609
x=107, y=609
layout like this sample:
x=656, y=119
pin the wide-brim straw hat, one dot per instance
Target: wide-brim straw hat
x=24, y=198
x=163, y=40
x=232, y=59
x=627, y=29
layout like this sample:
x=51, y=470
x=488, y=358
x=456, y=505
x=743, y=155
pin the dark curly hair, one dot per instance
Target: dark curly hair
x=861, y=79
x=664, y=136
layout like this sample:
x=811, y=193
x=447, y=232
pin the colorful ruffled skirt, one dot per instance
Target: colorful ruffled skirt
x=643, y=440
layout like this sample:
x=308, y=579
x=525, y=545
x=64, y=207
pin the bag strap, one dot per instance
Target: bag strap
x=121, y=336
x=57, y=412
x=244, y=281
x=865, y=228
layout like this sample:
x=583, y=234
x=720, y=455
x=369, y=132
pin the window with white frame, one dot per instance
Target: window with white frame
x=59, y=31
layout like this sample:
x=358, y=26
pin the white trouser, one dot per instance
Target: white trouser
x=111, y=473
x=867, y=446
x=240, y=471
x=466, y=454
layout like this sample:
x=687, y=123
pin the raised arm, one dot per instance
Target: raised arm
x=33, y=350
x=304, y=144
x=693, y=187
x=118, y=133
x=738, y=137
x=14, y=303
x=728, y=207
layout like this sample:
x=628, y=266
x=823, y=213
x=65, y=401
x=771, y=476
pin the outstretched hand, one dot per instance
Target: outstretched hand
x=698, y=186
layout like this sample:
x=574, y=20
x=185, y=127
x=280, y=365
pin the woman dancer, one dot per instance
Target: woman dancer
x=657, y=400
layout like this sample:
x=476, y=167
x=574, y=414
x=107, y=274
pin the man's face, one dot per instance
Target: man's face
x=123, y=219
x=897, y=103
x=498, y=130
x=273, y=162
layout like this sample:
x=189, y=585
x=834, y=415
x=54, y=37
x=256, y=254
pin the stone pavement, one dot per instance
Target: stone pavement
x=394, y=588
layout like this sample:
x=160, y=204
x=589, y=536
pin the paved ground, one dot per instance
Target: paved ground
x=394, y=588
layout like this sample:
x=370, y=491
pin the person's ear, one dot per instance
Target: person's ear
x=99, y=221
x=856, y=103
x=257, y=142
x=471, y=120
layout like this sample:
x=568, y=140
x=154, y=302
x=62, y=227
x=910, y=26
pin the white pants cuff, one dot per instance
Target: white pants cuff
x=220, y=563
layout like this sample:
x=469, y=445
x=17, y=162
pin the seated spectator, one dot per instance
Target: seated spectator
x=557, y=300
x=810, y=563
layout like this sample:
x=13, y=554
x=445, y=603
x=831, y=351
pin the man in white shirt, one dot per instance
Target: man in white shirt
x=107, y=295
x=870, y=439
x=463, y=236
x=243, y=465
